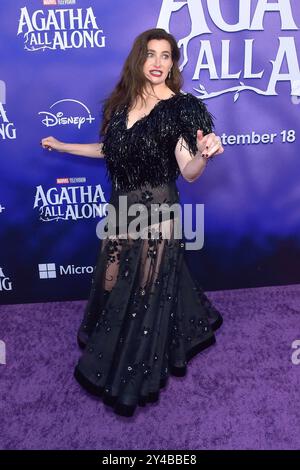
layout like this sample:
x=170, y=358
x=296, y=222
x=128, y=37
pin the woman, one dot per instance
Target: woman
x=146, y=316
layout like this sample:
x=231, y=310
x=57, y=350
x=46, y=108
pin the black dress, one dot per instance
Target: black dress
x=146, y=315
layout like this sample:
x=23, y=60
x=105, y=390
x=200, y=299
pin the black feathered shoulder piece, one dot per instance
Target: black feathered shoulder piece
x=193, y=115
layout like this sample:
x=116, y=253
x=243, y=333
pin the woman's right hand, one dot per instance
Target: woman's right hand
x=51, y=143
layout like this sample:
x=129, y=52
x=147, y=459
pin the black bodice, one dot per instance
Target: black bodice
x=145, y=153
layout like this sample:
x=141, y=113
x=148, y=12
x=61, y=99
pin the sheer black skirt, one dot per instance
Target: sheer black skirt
x=146, y=315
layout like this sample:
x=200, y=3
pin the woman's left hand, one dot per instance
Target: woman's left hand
x=209, y=145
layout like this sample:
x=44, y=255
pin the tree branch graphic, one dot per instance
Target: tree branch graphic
x=203, y=94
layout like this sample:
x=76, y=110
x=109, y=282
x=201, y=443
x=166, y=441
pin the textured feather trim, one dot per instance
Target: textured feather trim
x=193, y=115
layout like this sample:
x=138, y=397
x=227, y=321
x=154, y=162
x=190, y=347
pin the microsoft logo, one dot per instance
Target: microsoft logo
x=50, y=271
x=47, y=271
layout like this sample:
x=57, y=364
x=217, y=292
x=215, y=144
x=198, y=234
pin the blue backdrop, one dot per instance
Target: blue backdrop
x=60, y=58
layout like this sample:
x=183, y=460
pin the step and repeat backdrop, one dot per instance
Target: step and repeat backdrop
x=61, y=58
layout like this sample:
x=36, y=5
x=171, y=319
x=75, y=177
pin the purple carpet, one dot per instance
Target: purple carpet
x=241, y=393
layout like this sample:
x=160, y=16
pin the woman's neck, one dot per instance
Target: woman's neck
x=159, y=92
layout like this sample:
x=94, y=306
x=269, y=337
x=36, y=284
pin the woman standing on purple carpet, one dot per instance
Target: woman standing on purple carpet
x=145, y=316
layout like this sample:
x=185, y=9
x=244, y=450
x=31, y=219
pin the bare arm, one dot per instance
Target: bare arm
x=83, y=150
x=192, y=167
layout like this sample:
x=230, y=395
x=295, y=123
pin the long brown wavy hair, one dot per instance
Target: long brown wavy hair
x=133, y=80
